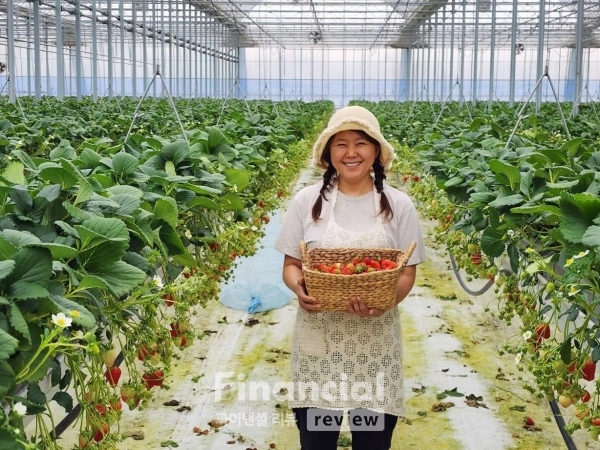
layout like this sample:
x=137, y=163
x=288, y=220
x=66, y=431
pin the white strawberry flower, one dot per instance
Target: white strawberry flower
x=254, y=228
x=527, y=335
x=188, y=234
x=573, y=290
x=158, y=281
x=20, y=409
x=61, y=320
x=581, y=254
x=518, y=358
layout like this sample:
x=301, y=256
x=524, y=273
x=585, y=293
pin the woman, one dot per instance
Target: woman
x=352, y=359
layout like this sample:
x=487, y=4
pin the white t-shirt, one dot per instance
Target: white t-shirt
x=353, y=214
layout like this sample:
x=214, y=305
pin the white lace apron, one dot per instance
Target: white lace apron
x=342, y=361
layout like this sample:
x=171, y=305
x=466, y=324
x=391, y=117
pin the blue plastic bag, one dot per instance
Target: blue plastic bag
x=254, y=297
x=257, y=285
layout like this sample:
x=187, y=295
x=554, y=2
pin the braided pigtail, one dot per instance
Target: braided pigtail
x=327, y=176
x=384, y=204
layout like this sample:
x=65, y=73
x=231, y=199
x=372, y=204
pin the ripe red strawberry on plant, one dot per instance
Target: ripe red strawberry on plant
x=476, y=259
x=144, y=352
x=153, y=379
x=542, y=331
x=101, y=409
x=585, y=396
x=168, y=298
x=113, y=375
x=101, y=431
x=116, y=405
x=588, y=371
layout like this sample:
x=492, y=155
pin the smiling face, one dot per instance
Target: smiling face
x=352, y=155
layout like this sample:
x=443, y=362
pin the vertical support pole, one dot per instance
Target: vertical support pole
x=206, y=59
x=443, y=73
x=422, y=75
x=214, y=30
x=145, y=45
x=428, y=54
x=47, y=58
x=190, y=54
x=513, y=55
x=540, y=55
x=122, y=36
x=385, y=73
x=170, y=47
x=133, y=48
x=78, y=59
x=196, y=53
x=364, y=73
x=183, y=49
x=408, y=72
x=492, y=55
x=37, y=53
x=109, y=55
x=202, y=54
x=94, y=53
x=60, y=57
x=462, y=48
x=452, y=50
x=476, y=55
x=414, y=82
x=154, y=45
x=301, y=80
x=578, y=58
x=435, y=56
x=280, y=74
x=175, y=36
x=163, y=38
x=10, y=20
x=29, y=56
x=343, y=74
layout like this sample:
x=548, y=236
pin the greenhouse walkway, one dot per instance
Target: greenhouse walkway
x=450, y=346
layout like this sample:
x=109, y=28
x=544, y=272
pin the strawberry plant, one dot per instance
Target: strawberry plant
x=531, y=206
x=88, y=223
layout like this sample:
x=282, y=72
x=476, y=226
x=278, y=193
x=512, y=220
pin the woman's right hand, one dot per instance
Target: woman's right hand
x=306, y=302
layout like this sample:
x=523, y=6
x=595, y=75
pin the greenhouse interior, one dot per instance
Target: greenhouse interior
x=172, y=274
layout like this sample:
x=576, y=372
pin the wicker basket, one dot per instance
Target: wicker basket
x=376, y=289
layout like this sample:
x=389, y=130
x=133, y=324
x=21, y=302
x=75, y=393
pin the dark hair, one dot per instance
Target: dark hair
x=328, y=176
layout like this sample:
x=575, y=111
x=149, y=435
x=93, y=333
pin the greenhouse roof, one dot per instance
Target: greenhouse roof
x=317, y=23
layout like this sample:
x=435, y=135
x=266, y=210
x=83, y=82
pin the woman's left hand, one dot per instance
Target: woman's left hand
x=356, y=306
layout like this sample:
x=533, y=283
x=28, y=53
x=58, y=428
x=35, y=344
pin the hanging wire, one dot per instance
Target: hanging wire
x=157, y=74
x=10, y=84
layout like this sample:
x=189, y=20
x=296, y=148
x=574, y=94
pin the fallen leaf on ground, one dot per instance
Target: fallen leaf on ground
x=419, y=390
x=231, y=442
x=209, y=332
x=443, y=406
x=278, y=351
x=183, y=408
x=532, y=428
x=171, y=403
x=273, y=323
x=218, y=423
x=137, y=435
x=251, y=322
x=199, y=432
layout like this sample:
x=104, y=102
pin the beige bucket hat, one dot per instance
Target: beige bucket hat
x=354, y=118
